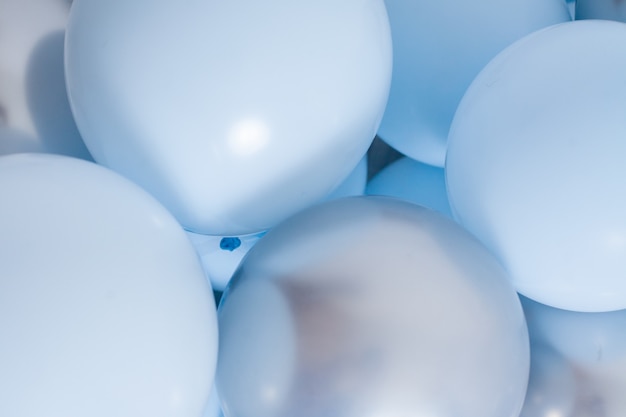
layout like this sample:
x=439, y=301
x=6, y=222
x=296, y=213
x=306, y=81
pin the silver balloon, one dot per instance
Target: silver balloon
x=371, y=307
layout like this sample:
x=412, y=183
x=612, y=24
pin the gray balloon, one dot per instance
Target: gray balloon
x=371, y=307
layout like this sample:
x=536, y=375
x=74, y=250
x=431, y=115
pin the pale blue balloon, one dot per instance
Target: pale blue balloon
x=235, y=114
x=104, y=307
x=439, y=47
x=535, y=165
x=412, y=181
x=221, y=255
x=353, y=185
x=585, y=338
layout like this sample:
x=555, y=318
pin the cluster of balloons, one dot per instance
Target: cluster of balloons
x=157, y=156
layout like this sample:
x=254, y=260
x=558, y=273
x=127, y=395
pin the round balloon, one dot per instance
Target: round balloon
x=412, y=181
x=104, y=308
x=537, y=172
x=225, y=111
x=221, y=255
x=438, y=49
x=371, y=306
x=33, y=98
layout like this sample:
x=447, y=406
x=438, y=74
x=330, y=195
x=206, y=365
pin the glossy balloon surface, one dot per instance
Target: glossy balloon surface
x=104, y=308
x=413, y=181
x=226, y=111
x=537, y=172
x=439, y=47
x=371, y=306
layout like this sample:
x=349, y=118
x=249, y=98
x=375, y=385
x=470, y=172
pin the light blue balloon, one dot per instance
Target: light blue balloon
x=585, y=338
x=104, y=307
x=439, y=47
x=535, y=165
x=221, y=255
x=235, y=114
x=353, y=185
x=412, y=181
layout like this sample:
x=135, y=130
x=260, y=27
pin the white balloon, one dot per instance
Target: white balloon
x=439, y=47
x=535, y=164
x=104, y=308
x=33, y=97
x=371, y=306
x=233, y=114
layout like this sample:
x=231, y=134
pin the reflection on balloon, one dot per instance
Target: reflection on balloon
x=438, y=49
x=539, y=180
x=232, y=124
x=104, y=308
x=33, y=97
x=552, y=386
x=370, y=306
x=413, y=181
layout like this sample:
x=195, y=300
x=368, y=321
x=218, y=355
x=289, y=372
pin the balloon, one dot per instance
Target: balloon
x=413, y=181
x=371, y=306
x=538, y=174
x=583, y=338
x=226, y=111
x=439, y=47
x=601, y=9
x=353, y=185
x=552, y=388
x=35, y=114
x=221, y=255
x=104, y=308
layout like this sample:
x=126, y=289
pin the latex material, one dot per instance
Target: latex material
x=371, y=306
x=583, y=338
x=601, y=9
x=413, y=181
x=104, y=309
x=537, y=173
x=221, y=255
x=439, y=47
x=35, y=113
x=228, y=115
